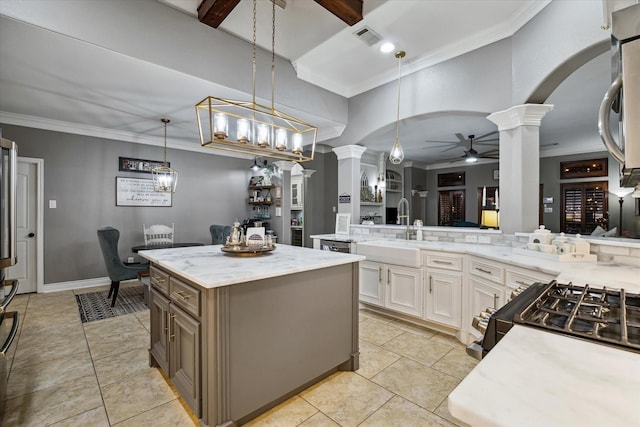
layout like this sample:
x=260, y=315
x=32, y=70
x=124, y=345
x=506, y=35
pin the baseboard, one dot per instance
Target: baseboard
x=79, y=284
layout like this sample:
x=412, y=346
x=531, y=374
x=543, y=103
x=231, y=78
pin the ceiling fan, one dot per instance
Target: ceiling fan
x=471, y=155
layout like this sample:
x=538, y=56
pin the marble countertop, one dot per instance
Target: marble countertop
x=209, y=267
x=538, y=378
x=608, y=274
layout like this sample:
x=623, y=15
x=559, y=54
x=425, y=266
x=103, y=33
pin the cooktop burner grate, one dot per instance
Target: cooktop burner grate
x=605, y=315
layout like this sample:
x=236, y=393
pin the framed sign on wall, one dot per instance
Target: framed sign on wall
x=139, y=192
x=128, y=164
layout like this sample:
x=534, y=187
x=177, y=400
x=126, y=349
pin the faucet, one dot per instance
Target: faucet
x=404, y=202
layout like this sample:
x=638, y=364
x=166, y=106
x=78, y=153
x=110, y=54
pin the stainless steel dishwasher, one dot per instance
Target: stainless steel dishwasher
x=335, y=246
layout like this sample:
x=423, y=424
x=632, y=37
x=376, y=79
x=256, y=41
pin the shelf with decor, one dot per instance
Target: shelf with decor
x=260, y=198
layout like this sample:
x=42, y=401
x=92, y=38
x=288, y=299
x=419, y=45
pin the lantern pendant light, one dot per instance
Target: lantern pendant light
x=165, y=179
x=396, y=156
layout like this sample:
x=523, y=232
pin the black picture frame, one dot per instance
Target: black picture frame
x=129, y=164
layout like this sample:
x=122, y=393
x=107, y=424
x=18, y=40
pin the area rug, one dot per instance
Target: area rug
x=96, y=305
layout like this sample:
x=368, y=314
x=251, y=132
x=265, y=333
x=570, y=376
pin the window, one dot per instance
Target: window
x=583, y=168
x=450, y=207
x=584, y=204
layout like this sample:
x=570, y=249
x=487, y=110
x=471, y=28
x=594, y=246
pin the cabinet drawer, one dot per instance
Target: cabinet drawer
x=517, y=278
x=159, y=280
x=185, y=296
x=442, y=260
x=487, y=269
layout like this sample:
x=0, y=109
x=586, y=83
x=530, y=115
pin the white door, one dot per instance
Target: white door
x=26, y=223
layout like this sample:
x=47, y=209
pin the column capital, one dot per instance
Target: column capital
x=308, y=172
x=284, y=165
x=520, y=115
x=349, y=151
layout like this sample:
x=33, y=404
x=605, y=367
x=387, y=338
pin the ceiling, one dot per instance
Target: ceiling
x=89, y=87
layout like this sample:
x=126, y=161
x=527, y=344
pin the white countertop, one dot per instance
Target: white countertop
x=608, y=274
x=209, y=267
x=538, y=378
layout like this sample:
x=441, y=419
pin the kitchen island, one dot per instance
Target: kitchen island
x=238, y=335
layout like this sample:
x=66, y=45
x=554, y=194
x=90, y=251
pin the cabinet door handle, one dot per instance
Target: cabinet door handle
x=483, y=270
x=520, y=282
x=165, y=323
x=435, y=261
x=159, y=279
x=388, y=277
x=379, y=274
x=172, y=334
x=495, y=300
x=430, y=284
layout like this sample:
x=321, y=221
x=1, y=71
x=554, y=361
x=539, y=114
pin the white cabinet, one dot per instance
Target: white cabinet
x=444, y=297
x=371, y=286
x=443, y=287
x=404, y=289
x=297, y=192
x=392, y=286
x=485, y=294
x=517, y=277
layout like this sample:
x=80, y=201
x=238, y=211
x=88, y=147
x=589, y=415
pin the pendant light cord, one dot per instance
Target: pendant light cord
x=165, y=121
x=273, y=54
x=254, y=52
x=399, y=55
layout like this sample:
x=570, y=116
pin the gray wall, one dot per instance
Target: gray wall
x=550, y=177
x=482, y=175
x=79, y=172
x=478, y=175
x=321, y=195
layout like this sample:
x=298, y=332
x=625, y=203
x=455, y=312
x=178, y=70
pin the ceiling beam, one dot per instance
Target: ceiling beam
x=350, y=11
x=213, y=12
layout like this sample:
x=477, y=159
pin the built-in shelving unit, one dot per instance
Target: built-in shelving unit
x=260, y=199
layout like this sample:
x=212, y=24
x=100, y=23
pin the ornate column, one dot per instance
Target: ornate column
x=519, y=128
x=349, y=179
x=281, y=223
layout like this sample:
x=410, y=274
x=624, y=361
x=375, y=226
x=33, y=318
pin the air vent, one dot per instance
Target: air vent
x=368, y=36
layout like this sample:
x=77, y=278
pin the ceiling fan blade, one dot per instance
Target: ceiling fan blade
x=486, y=135
x=455, y=147
x=461, y=137
x=430, y=141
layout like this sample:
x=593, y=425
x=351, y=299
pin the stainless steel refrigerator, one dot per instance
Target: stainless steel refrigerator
x=9, y=320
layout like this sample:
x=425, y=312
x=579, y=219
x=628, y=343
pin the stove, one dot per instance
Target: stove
x=605, y=316
x=609, y=316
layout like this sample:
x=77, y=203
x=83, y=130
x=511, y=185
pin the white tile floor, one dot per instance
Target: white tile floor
x=66, y=373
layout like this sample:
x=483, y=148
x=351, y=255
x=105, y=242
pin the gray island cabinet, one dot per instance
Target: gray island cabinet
x=238, y=335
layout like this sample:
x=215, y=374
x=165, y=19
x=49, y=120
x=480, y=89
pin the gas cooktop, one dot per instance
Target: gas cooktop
x=608, y=316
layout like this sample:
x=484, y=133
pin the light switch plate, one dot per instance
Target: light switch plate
x=52, y=204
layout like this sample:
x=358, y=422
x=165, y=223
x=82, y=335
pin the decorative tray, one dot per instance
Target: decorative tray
x=247, y=250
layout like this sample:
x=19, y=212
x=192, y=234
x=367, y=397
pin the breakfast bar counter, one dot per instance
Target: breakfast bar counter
x=237, y=335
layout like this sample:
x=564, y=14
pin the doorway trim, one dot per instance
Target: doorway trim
x=39, y=164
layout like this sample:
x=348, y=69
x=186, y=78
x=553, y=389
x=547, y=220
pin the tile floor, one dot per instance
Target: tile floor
x=65, y=373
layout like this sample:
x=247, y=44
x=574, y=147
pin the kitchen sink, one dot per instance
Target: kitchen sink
x=398, y=252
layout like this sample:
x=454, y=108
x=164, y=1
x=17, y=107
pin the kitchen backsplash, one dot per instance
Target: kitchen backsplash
x=622, y=251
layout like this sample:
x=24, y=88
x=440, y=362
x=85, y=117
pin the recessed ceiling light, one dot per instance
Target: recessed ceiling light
x=387, y=47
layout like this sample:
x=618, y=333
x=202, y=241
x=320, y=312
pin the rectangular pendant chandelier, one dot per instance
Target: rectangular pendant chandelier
x=251, y=128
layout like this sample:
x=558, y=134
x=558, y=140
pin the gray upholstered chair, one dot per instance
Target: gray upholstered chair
x=118, y=271
x=219, y=234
